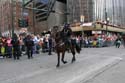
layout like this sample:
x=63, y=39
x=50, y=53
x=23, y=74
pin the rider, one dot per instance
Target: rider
x=66, y=34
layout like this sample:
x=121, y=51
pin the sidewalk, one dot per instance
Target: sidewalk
x=42, y=69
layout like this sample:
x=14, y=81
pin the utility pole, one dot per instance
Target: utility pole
x=12, y=27
x=113, y=16
x=34, y=17
x=0, y=20
x=22, y=8
x=106, y=19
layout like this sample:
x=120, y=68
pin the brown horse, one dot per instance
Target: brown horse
x=60, y=46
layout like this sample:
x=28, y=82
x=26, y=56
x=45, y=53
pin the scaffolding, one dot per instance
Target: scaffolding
x=78, y=8
x=113, y=8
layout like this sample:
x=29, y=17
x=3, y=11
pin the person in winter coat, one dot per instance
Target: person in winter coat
x=16, y=47
x=29, y=44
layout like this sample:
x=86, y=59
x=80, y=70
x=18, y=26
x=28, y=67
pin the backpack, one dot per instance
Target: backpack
x=2, y=50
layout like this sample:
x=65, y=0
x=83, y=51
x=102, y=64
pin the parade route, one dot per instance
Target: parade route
x=42, y=68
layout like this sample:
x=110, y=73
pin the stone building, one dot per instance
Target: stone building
x=10, y=12
x=48, y=13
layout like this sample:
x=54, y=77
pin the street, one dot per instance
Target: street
x=114, y=74
x=32, y=26
x=93, y=65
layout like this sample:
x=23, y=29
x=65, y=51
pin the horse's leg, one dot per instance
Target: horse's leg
x=73, y=53
x=63, y=55
x=58, y=57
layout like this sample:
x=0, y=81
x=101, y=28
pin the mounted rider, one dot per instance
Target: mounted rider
x=66, y=37
x=66, y=34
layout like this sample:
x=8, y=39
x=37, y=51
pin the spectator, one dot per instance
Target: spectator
x=118, y=43
x=16, y=47
x=50, y=45
x=29, y=44
x=9, y=47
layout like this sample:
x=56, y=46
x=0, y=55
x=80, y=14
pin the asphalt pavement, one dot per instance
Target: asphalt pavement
x=42, y=68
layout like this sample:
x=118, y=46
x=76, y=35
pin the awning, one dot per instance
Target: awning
x=75, y=29
x=109, y=28
x=87, y=24
x=97, y=27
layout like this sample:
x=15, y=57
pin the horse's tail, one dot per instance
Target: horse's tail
x=78, y=49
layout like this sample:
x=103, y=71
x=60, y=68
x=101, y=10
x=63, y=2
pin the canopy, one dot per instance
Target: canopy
x=97, y=27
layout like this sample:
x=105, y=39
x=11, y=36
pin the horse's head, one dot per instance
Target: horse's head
x=56, y=33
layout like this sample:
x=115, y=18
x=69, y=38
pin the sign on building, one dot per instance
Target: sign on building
x=96, y=32
x=82, y=18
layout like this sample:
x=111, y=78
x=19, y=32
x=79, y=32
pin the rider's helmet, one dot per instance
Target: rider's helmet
x=66, y=25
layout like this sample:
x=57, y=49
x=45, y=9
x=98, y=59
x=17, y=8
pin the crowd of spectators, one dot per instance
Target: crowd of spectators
x=31, y=44
x=97, y=41
x=24, y=45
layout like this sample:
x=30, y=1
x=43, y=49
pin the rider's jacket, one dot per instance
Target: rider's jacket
x=66, y=32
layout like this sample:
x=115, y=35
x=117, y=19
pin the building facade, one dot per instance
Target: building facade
x=10, y=12
x=94, y=10
x=58, y=18
x=79, y=8
x=111, y=9
x=5, y=17
x=42, y=18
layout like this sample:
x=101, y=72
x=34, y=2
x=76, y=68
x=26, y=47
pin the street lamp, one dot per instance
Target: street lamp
x=107, y=22
x=82, y=18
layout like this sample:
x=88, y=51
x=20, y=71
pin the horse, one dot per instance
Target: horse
x=60, y=46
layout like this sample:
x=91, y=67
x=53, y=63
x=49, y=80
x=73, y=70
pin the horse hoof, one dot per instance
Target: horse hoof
x=65, y=62
x=57, y=65
x=73, y=60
